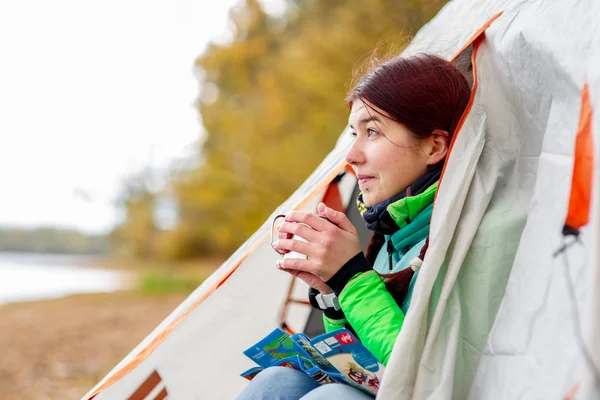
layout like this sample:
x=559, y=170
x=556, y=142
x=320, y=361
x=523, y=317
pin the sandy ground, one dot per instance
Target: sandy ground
x=59, y=349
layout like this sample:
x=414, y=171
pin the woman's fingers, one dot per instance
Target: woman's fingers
x=330, y=241
x=304, y=268
x=310, y=279
x=338, y=218
x=333, y=219
x=293, y=245
x=310, y=219
x=295, y=264
x=290, y=228
x=283, y=235
x=292, y=272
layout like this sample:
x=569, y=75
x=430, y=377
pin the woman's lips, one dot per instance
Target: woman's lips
x=362, y=179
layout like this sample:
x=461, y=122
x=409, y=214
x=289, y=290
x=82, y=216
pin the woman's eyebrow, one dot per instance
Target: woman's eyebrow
x=368, y=119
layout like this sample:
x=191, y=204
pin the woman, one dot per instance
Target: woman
x=403, y=115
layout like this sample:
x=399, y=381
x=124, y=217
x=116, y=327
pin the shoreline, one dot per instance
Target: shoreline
x=26, y=278
x=60, y=348
x=148, y=276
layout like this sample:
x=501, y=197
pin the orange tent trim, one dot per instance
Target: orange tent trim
x=581, y=187
x=475, y=40
x=476, y=36
x=463, y=118
x=572, y=392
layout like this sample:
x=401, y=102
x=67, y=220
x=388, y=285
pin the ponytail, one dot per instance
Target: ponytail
x=398, y=283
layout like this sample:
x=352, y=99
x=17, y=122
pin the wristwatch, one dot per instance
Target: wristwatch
x=326, y=301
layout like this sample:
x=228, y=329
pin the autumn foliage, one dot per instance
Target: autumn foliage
x=272, y=106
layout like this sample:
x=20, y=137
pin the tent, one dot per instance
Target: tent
x=506, y=305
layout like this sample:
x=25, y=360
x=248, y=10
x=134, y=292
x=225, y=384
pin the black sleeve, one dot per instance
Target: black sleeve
x=356, y=264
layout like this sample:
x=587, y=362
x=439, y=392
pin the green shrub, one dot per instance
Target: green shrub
x=160, y=282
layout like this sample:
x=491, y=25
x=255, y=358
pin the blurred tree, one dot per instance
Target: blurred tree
x=272, y=104
x=136, y=235
x=50, y=240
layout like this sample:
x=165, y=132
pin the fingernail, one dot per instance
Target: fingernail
x=278, y=264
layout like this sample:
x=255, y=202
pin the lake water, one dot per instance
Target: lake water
x=26, y=277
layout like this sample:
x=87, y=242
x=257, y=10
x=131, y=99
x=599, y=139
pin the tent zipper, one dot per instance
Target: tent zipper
x=390, y=250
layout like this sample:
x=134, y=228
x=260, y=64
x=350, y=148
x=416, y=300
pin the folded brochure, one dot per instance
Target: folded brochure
x=336, y=356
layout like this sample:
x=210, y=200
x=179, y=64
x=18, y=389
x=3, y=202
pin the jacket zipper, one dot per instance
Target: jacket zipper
x=390, y=250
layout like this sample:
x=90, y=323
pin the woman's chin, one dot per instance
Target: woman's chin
x=372, y=199
x=368, y=200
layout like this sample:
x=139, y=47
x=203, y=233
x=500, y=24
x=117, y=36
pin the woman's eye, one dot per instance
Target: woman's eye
x=372, y=132
x=353, y=134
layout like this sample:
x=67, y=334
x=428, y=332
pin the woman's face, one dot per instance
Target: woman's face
x=385, y=155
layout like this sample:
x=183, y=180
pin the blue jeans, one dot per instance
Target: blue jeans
x=280, y=383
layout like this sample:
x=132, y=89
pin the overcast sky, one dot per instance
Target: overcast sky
x=89, y=92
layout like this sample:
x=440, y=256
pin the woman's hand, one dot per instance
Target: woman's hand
x=311, y=280
x=330, y=242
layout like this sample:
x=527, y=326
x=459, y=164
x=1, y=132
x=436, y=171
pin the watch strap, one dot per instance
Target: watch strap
x=326, y=301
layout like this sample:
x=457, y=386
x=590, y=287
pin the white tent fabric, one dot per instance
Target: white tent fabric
x=489, y=268
x=531, y=69
x=589, y=388
x=589, y=384
x=591, y=308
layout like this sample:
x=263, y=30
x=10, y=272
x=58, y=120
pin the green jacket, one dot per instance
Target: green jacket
x=368, y=306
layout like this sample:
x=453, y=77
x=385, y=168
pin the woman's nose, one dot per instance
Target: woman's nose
x=355, y=155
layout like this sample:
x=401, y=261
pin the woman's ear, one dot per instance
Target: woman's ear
x=439, y=142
